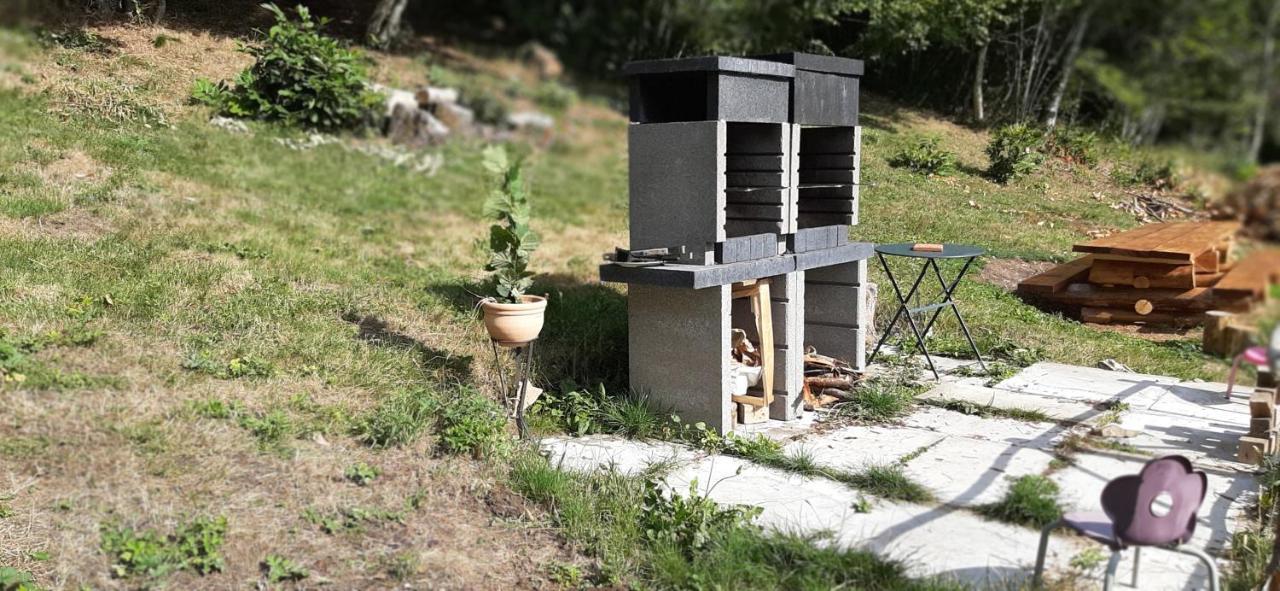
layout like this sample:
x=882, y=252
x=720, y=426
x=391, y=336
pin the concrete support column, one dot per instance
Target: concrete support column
x=679, y=351
x=833, y=311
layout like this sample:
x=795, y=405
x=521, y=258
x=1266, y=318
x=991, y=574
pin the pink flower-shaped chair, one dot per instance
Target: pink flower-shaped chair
x=1156, y=507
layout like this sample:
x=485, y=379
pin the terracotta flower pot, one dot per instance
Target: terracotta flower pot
x=512, y=325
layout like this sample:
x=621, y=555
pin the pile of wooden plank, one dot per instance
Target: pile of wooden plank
x=1261, y=440
x=1168, y=273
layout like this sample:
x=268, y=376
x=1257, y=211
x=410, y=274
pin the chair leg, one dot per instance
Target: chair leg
x=1037, y=579
x=1113, y=565
x=1137, y=557
x=1231, y=377
x=1206, y=559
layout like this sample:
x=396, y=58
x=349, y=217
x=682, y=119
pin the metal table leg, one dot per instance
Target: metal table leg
x=947, y=301
x=905, y=308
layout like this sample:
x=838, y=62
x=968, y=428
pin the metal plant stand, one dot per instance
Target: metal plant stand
x=514, y=390
x=949, y=251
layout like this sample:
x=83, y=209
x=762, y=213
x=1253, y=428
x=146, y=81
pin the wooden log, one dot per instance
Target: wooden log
x=1266, y=379
x=1261, y=426
x=755, y=401
x=1143, y=275
x=820, y=383
x=1215, y=332
x=1252, y=449
x=752, y=415
x=1239, y=338
x=1125, y=316
x=1166, y=300
x=1262, y=404
x=1143, y=307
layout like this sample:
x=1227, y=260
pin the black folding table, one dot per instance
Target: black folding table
x=949, y=251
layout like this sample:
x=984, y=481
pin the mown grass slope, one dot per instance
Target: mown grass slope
x=197, y=323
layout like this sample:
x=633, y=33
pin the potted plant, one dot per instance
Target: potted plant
x=511, y=316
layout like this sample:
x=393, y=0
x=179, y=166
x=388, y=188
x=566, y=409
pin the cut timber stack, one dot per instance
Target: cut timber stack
x=1171, y=273
x=1261, y=440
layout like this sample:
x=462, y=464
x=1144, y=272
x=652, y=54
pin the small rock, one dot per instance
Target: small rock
x=531, y=119
x=455, y=116
x=229, y=124
x=400, y=98
x=537, y=56
x=1114, y=365
x=411, y=126
x=432, y=96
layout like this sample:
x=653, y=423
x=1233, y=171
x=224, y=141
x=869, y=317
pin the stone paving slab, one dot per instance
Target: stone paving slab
x=586, y=454
x=853, y=448
x=965, y=472
x=1087, y=384
x=937, y=540
x=1055, y=408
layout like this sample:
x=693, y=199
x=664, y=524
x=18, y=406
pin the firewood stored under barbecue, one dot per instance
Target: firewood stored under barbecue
x=829, y=382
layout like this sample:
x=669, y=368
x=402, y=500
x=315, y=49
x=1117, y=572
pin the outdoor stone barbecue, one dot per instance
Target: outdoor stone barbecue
x=748, y=168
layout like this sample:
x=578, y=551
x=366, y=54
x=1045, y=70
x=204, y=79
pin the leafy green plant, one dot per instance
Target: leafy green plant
x=300, y=77
x=1154, y=173
x=12, y=579
x=279, y=569
x=925, y=155
x=472, y=424
x=271, y=430
x=1075, y=145
x=688, y=522
x=398, y=419
x=1015, y=150
x=510, y=239
x=248, y=366
x=361, y=473
x=349, y=518
x=195, y=545
x=1031, y=500
x=575, y=411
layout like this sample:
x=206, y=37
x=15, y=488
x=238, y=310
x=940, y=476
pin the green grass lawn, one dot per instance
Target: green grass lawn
x=230, y=325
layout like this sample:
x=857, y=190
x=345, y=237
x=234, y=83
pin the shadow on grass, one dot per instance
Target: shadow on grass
x=584, y=340
x=443, y=366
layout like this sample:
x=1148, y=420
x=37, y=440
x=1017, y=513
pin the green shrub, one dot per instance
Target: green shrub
x=575, y=411
x=511, y=241
x=689, y=522
x=1157, y=174
x=1075, y=145
x=398, y=419
x=924, y=155
x=554, y=96
x=300, y=77
x=195, y=545
x=1015, y=150
x=1032, y=500
x=472, y=424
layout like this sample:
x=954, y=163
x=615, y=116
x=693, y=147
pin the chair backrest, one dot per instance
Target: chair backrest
x=1157, y=506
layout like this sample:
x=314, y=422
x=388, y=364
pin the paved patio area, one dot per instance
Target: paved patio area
x=968, y=460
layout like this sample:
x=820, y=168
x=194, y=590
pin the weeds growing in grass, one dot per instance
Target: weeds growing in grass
x=473, y=424
x=888, y=395
x=688, y=522
x=603, y=513
x=279, y=569
x=987, y=411
x=361, y=473
x=1031, y=500
x=1015, y=150
x=12, y=579
x=196, y=546
x=350, y=518
x=398, y=419
x=888, y=481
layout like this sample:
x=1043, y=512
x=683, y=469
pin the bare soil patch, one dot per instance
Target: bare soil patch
x=1008, y=273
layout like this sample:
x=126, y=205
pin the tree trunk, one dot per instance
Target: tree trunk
x=159, y=13
x=979, y=111
x=384, y=25
x=1069, y=65
x=1264, y=84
